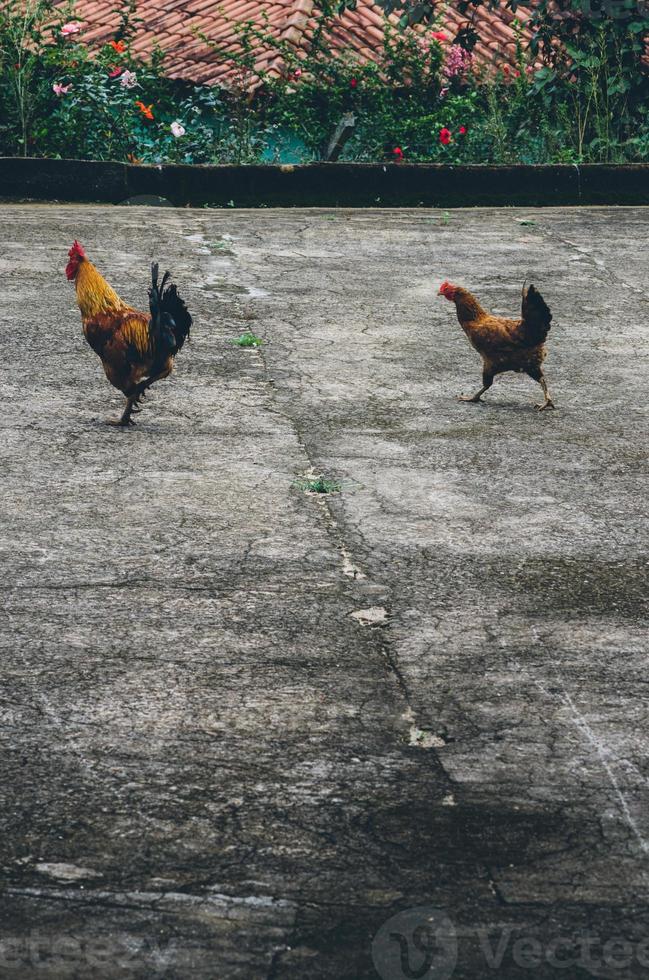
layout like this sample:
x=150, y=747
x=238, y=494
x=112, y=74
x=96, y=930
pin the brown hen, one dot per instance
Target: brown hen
x=504, y=345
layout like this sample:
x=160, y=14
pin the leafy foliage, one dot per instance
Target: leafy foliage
x=578, y=93
x=59, y=99
x=592, y=77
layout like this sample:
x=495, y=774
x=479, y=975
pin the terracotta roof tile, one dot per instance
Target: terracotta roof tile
x=175, y=25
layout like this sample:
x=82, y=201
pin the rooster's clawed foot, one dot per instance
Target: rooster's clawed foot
x=548, y=403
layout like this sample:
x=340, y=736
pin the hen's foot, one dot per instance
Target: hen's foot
x=548, y=403
x=470, y=398
x=121, y=423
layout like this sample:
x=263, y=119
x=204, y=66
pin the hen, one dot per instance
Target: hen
x=135, y=348
x=504, y=345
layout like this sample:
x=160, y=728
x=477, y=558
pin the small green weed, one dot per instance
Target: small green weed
x=317, y=484
x=247, y=339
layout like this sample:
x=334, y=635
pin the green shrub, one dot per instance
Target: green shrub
x=422, y=100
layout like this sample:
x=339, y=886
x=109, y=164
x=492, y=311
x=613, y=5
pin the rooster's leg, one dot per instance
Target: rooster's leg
x=487, y=381
x=548, y=403
x=125, y=419
x=137, y=393
x=140, y=391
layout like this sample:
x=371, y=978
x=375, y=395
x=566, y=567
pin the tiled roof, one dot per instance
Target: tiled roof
x=174, y=25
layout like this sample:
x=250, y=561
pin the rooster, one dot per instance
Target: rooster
x=135, y=349
x=504, y=345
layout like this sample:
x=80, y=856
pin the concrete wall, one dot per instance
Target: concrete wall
x=325, y=185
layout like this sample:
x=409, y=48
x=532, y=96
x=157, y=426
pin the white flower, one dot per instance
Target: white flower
x=177, y=129
x=128, y=79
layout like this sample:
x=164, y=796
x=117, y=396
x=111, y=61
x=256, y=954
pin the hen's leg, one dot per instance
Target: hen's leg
x=487, y=381
x=540, y=377
x=548, y=403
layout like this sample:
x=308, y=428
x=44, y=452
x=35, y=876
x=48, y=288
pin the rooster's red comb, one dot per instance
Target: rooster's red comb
x=77, y=252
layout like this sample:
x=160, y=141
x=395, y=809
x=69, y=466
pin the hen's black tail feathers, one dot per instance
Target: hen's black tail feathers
x=536, y=317
x=170, y=319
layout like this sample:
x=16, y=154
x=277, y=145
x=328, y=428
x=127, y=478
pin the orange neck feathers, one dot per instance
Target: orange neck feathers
x=94, y=295
x=467, y=306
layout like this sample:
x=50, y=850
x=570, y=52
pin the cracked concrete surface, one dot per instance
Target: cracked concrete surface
x=244, y=726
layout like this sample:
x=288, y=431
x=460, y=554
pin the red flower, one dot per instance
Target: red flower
x=119, y=46
x=445, y=136
x=506, y=70
x=114, y=72
x=397, y=153
x=353, y=82
x=297, y=72
x=439, y=35
x=146, y=110
x=462, y=130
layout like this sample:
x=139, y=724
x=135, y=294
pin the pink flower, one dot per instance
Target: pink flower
x=128, y=79
x=114, y=72
x=60, y=90
x=458, y=62
x=297, y=72
x=353, y=82
x=439, y=35
x=462, y=130
x=177, y=129
x=72, y=27
x=443, y=92
x=445, y=136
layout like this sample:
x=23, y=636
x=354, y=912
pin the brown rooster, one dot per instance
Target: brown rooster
x=135, y=348
x=504, y=345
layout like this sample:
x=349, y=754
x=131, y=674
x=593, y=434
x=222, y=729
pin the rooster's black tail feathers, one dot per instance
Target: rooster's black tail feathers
x=170, y=319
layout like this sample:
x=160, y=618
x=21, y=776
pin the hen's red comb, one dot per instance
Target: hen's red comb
x=77, y=252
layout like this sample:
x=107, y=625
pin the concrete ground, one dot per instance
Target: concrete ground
x=244, y=726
